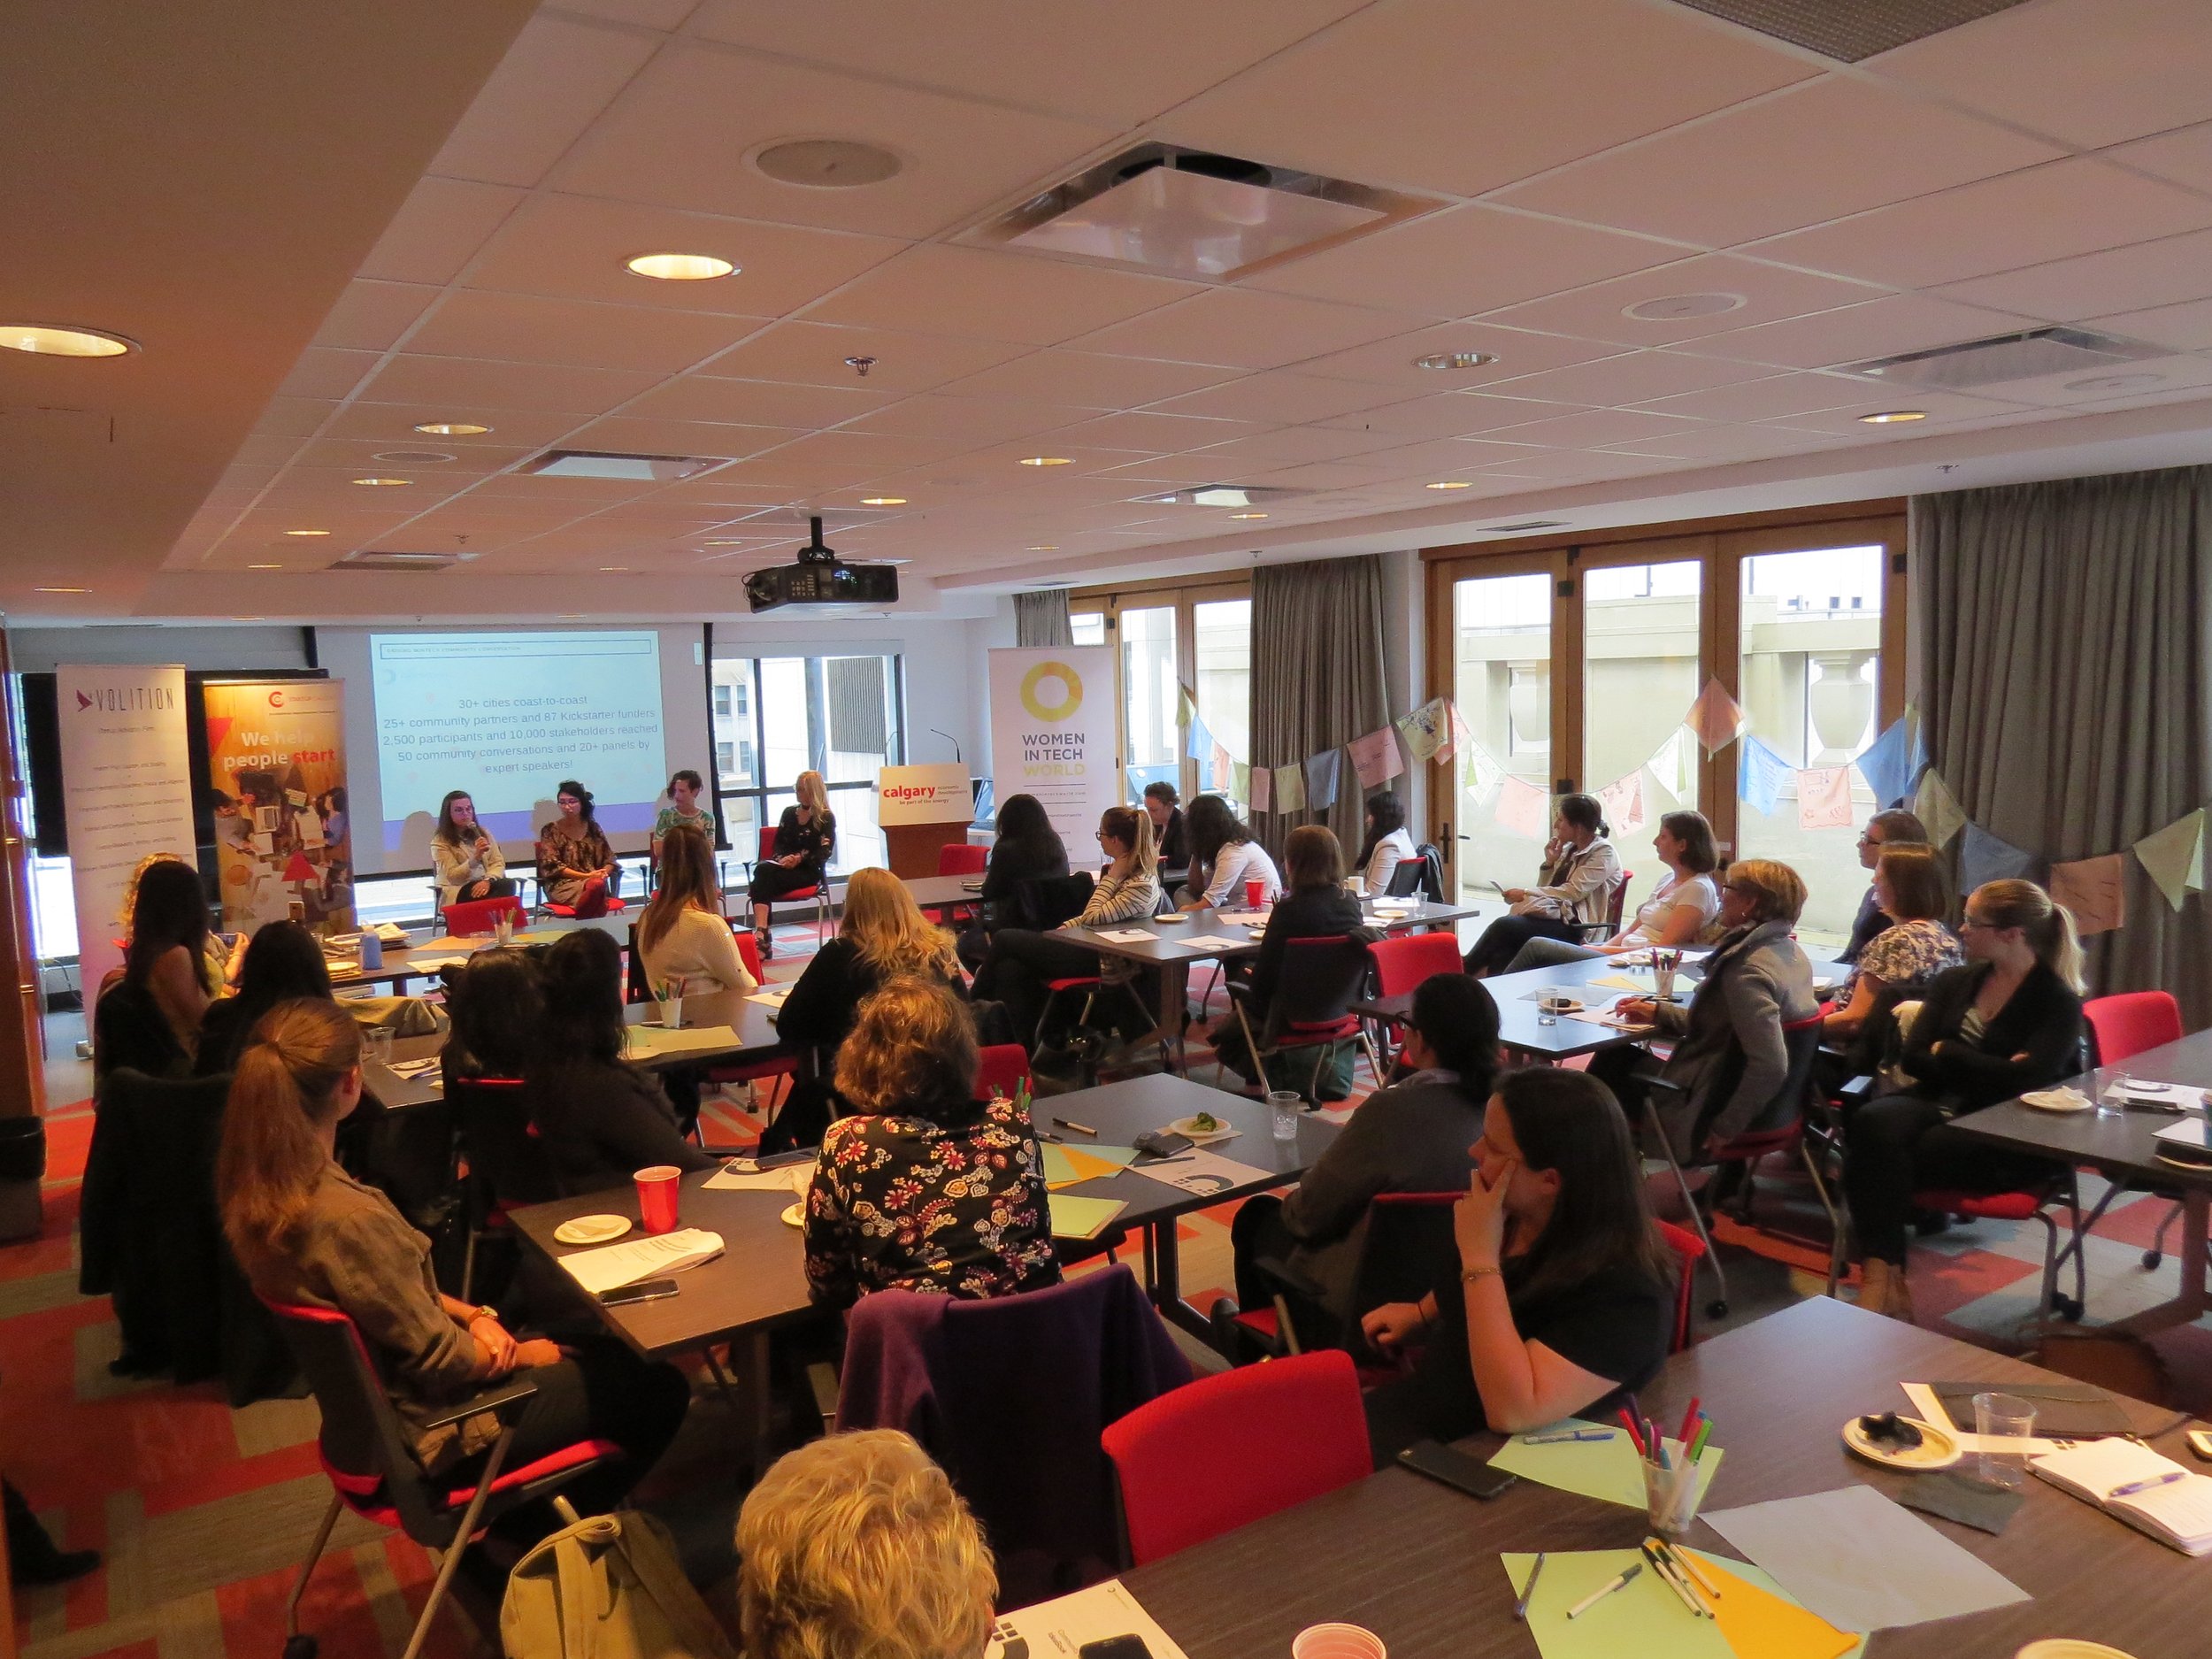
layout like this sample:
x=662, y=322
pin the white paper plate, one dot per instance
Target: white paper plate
x=2057, y=1100
x=1173, y=916
x=2069, y=1648
x=792, y=1217
x=1938, y=1447
x=592, y=1229
x=1183, y=1126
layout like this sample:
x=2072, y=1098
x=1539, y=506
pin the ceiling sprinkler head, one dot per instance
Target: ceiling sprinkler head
x=860, y=365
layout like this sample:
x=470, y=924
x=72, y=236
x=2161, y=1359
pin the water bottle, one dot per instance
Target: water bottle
x=371, y=950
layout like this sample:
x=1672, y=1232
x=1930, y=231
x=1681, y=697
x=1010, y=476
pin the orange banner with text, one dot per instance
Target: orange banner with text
x=276, y=755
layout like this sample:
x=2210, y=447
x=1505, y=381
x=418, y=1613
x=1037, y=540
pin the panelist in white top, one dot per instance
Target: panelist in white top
x=1223, y=857
x=683, y=936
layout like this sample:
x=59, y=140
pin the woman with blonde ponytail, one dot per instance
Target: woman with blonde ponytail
x=307, y=1234
x=2008, y=1021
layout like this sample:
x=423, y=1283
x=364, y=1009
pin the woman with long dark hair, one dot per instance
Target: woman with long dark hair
x=1223, y=857
x=469, y=862
x=1581, y=872
x=1388, y=843
x=683, y=937
x=497, y=1007
x=806, y=839
x=283, y=961
x=1315, y=907
x=576, y=867
x=150, y=1021
x=1027, y=848
x=1556, y=1299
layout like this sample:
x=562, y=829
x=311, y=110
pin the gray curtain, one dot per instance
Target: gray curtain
x=1317, y=678
x=2062, y=663
x=1042, y=618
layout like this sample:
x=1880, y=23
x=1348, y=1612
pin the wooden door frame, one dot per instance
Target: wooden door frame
x=1183, y=595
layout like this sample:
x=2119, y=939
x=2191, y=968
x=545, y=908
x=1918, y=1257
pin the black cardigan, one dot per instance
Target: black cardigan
x=1306, y=913
x=826, y=999
x=2042, y=1021
x=813, y=841
x=1013, y=863
x=601, y=1124
x=1173, y=840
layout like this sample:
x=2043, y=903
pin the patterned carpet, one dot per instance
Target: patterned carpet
x=203, y=1511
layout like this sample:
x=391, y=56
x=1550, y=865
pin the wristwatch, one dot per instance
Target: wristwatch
x=485, y=1312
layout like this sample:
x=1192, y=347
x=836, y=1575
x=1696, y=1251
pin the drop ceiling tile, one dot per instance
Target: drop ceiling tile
x=294, y=417
x=1768, y=293
x=1013, y=49
x=1776, y=398
x=1322, y=475
x=678, y=136
x=1279, y=398
x=391, y=425
x=1449, y=415
x=651, y=14
x=976, y=420
x=574, y=333
x=573, y=246
x=2163, y=380
x=626, y=434
x=2183, y=157
x=1594, y=427
x=1089, y=379
x=1878, y=328
x=2184, y=327
x=326, y=372
x=714, y=397
x=2028, y=218
x=1465, y=260
x=1944, y=409
x=557, y=77
x=1464, y=95
x=370, y=316
x=1722, y=443
x=1244, y=328
x=1812, y=152
x=1294, y=444
x=984, y=294
x=2149, y=274
x=1446, y=459
x=1156, y=435
x=1634, y=377
x=359, y=456
x=2091, y=72
x=1162, y=471
x=814, y=354
x=1391, y=362
x=438, y=230
x=537, y=388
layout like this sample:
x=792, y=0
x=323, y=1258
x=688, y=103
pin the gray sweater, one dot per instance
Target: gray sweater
x=1755, y=982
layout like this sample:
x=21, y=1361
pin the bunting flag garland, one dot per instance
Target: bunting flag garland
x=1670, y=766
x=2174, y=856
x=1240, y=781
x=1624, y=802
x=1824, y=798
x=1221, y=770
x=2094, y=890
x=1937, y=809
x=1375, y=758
x=1718, y=719
x=1201, y=746
x=1986, y=857
x=1257, y=783
x=1523, y=808
x=1290, y=788
x=1458, y=736
x=1919, y=760
x=1186, y=707
x=1321, y=776
x=1760, y=775
x=1890, y=764
x=1483, y=770
x=1427, y=730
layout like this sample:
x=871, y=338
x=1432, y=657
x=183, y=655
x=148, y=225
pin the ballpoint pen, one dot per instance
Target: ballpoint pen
x=1683, y=1559
x=1605, y=1589
x=2134, y=1486
x=1562, y=1439
x=1520, y=1607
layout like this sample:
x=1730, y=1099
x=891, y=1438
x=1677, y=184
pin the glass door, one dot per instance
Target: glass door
x=1153, y=747
x=1502, y=680
x=1641, y=625
x=1221, y=652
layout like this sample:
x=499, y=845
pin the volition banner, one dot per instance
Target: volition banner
x=1052, y=736
x=127, y=787
x=283, y=836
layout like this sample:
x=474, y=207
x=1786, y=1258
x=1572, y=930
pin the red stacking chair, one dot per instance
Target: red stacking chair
x=473, y=916
x=1312, y=1006
x=1229, y=1449
x=567, y=912
x=507, y=1167
x=2123, y=1025
x=819, y=891
x=1691, y=1248
x=374, y=1473
x=1402, y=962
x=1005, y=1069
x=957, y=858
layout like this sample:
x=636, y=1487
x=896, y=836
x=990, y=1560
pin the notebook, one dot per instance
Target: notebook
x=2179, y=1513
x=615, y=1264
x=2064, y=1410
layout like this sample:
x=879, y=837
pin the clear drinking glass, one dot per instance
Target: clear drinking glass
x=376, y=1044
x=1671, y=1496
x=2002, y=1415
x=1549, y=999
x=1283, y=1108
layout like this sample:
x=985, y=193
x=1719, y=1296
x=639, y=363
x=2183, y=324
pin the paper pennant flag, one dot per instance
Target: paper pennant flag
x=1221, y=770
x=1887, y=765
x=1670, y=766
x=2174, y=858
x=1716, y=717
x=1427, y=730
x=1241, y=782
x=1986, y=857
x=1290, y=788
x=1375, y=758
x=1760, y=775
x=1483, y=771
x=1917, y=762
x=1186, y=707
x=1201, y=746
x=1824, y=798
x=1937, y=808
x=1261, y=783
x=1321, y=776
x=1623, y=800
x=1458, y=736
x=1523, y=808
x=2093, y=890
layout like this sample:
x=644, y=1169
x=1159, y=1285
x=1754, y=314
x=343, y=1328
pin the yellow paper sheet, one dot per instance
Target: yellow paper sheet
x=1608, y=1470
x=1624, y=982
x=1760, y=1624
x=1082, y=1217
x=1066, y=1166
x=1647, y=1620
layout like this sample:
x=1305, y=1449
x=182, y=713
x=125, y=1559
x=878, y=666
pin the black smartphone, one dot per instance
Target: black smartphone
x=1115, y=1648
x=645, y=1290
x=1456, y=1469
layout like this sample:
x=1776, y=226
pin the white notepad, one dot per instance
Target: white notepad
x=616, y=1264
x=1215, y=941
x=2179, y=1513
x=1127, y=935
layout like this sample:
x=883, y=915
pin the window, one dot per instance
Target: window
x=722, y=702
x=1221, y=652
x=1087, y=627
x=1501, y=678
x=842, y=715
x=724, y=759
x=1172, y=637
x=1640, y=672
x=1152, y=743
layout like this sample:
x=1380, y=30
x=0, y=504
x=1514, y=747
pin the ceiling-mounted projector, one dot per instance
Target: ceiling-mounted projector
x=820, y=584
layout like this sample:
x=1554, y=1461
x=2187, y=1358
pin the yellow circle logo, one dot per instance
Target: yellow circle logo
x=1069, y=682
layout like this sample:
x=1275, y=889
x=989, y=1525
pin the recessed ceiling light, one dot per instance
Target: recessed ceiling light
x=1043, y=547
x=265, y=567
x=1451, y=483
x=614, y=567
x=450, y=428
x=883, y=500
x=1046, y=460
x=1455, y=360
x=1673, y=307
x=681, y=267
x=1890, y=417
x=383, y=483
x=307, y=533
x=414, y=457
x=245, y=619
x=47, y=341
x=827, y=164
x=1247, y=515
x=61, y=591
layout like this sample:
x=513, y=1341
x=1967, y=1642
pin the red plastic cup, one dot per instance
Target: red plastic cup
x=1337, y=1641
x=1252, y=889
x=656, y=1190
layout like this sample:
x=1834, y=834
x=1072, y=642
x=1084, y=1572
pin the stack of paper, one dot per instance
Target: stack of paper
x=785, y=1178
x=1066, y=1166
x=1065, y=1626
x=1126, y=935
x=1075, y=1217
x=771, y=994
x=1754, y=1618
x=612, y=1266
x=1216, y=941
x=2178, y=1510
x=650, y=1042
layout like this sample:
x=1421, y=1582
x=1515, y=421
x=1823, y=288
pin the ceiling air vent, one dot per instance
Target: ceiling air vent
x=2005, y=358
x=642, y=469
x=371, y=559
x=1193, y=214
x=1849, y=31
x=1222, y=495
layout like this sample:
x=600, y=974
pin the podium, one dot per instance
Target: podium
x=920, y=809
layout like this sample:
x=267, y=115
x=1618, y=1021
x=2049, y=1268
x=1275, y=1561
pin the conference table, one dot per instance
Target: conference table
x=2122, y=1148
x=419, y=959
x=1416, y=1562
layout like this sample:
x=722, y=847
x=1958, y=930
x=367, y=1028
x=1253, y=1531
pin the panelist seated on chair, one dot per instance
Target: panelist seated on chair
x=2009, y=1020
x=576, y=865
x=924, y=1188
x=307, y=1234
x=682, y=937
x=1558, y=1298
x=1580, y=870
x=1315, y=907
x=1223, y=857
x=1414, y=1136
x=1729, y=1058
x=1028, y=849
x=1683, y=910
x=468, y=861
x=798, y=859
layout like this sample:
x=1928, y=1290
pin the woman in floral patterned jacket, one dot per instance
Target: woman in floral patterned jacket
x=925, y=1188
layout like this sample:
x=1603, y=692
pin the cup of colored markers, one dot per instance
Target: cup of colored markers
x=1664, y=963
x=1671, y=1483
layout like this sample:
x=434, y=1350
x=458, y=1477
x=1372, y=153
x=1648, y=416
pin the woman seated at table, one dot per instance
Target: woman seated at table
x=1683, y=910
x=1169, y=835
x=576, y=867
x=1223, y=857
x=924, y=1187
x=1756, y=980
x=1414, y=1136
x=283, y=961
x=1023, y=963
x=306, y=1232
x=1028, y=849
x=683, y=938
x=150, y=1021
x=1581, y=872
x=1557, y=1301
x=1904, y=956
x=1388, y=843
x=1315, y=907
x=598, y=1119
x=468, y=861
x=498, y=1008
x=2008, y=1021
x=806, y=838
x=858, y=1544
